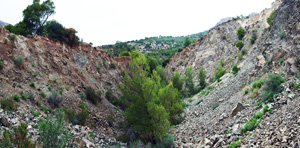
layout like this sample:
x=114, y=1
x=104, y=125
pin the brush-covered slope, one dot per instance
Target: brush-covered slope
x=51, y=65
x=216, y=116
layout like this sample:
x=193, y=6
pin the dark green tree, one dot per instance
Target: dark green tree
x=202, y=77
x=187, y=41
x=171, y=100
x=189, y=84
x=241, y=32
x=177, y=81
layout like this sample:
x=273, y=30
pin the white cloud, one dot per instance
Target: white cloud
x=107, y=21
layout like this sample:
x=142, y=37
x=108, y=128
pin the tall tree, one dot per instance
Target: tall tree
x=241, y=32
x=177, y=81
x=36, y=15
x=189, y=84
x=202, y=77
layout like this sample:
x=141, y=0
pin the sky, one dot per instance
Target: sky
x=107, y=21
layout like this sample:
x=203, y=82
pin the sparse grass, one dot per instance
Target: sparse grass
x=19, y=62
x=198, y=102
x=45, y=109
x=190, y=100
x=235, y=144
x=8, y=104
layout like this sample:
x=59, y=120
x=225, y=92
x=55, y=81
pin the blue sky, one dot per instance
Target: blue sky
x=107, y=21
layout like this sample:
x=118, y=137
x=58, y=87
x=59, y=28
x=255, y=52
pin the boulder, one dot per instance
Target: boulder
x=239, y=107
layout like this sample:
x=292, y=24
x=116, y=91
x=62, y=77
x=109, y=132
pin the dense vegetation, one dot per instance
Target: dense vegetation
x=34, y=21
x=160, y=48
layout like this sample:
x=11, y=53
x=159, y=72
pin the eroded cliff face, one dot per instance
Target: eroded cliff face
x=215, y=119
x=71, y=70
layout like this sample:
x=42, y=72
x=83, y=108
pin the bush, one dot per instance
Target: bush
x=45, y=109
x=49, y=88
x=272, y=86
x=167, y=141
x=241, y=32
x=249, y=126
x=83, y=114
x=282, y=34
x=298, y=76
x=235, y=69
x=219, y=72
x=246, y=91
x=177, y=81
x=253, y=38
x=70, y=115
x=113, y=65
x=258, y=104
x=270, y=18
x=32, y=84
x=1, y=65
x=43, y=94
x=19, y=139
x=36, y=113
x=23, y=95
x=55, y=98
x=187, y=41
x=239, y=44
x=202, y=77
x=257, y=84
x=8, y=104
x=124, y=53
x=16, y=97
x=53, y=132
x=92, y=95
x=19, y=62
x=35, y=74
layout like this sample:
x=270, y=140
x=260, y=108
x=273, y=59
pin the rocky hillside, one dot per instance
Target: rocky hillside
x=216, y=116
x=37, y=65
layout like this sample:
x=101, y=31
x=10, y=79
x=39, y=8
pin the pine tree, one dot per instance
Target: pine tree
x=202, y=77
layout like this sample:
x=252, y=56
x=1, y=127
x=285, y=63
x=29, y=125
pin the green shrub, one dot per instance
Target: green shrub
x=113, y=65
x=272, y=86
x=16, y=97
x=296, y=86
x=23, y=96
x=298, y=76
x=45, y=109
x=244, y=52
x=55, y=98
x=259, y=104
x=70, y=115
x=60, y=92
x=246, y=91
x=82, y=95
x=266, y=109
x=1, y=65
x=198, y=102
x=249, y=126
x=53, y=132
x=187, y=41
x=32, y=84
x=49, y=88
x=35, y=74
x=67, y=88
x=19, y=139
x=219, y=72
x=235, y=144
x=253, y=37
x=12, y=37
x=19, y=62
x=215, y=106
x=282, y=34
x=240, y=56
x=190, y=100
x=235, y=69
x=92, y=95
x=257, y=84
x=267, y=63
x=241, y=32
x=281, y=60
x=43, y=94
x=124, y=53
x=239, y=44
x=83, y=114
x=97, y=67
x=36, y=113
x=224, y=37
x=258, y=115
x=270, y=18
x=8, y=104
x=166, y=141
